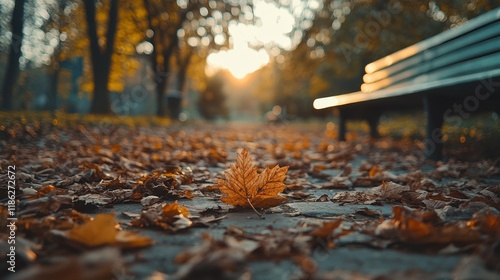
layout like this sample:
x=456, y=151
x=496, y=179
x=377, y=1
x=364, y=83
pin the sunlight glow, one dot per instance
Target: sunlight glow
x=276, y=24
x=271, y=33
x=144, y=48
x=240, y=62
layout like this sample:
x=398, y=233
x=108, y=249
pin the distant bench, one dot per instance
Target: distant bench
x=454, y=73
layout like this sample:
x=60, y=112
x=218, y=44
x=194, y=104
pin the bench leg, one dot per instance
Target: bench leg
x=373, y=122
x=342, y=126
x=434, y=110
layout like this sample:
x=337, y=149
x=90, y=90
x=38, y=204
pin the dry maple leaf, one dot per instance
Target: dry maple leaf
x=245, y=187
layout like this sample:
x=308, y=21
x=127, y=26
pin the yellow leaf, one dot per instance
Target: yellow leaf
x=174, y=209
x=102, y=231
x=127, y=239
x=244, y=187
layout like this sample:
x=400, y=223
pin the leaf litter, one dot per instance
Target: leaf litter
x=65, y=187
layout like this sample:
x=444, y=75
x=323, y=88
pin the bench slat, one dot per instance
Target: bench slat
x=481, y=64
x=357, y=97
x=487, y=32
x=444, y=62
x=448, y=35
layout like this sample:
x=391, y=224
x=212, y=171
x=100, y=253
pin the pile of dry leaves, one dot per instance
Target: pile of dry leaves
x=69, y=179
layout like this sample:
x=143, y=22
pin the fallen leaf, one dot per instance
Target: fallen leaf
x=327, y=229
x=91, y=172
x=99, y=231
x=149, y=200
x=95, y=199
x=389, y=190
x=486, y=223
x=174, y=209
x=170, y=217
x=244, y=187
x=322, y=198
x=102, y=231
x=418, y=227
x=128, y=239
x=211, y=257
x=96, y=264
x=299, y=195
x=367, y=212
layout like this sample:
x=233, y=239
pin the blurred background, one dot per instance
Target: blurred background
x=216, y=60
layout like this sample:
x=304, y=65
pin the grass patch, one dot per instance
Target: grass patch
x=64, y=119
x=21, y=124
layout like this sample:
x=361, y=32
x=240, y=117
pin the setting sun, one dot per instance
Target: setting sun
x=270, y=32
x=240, y=62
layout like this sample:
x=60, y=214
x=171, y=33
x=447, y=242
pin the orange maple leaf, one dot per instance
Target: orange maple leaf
x=245, y=187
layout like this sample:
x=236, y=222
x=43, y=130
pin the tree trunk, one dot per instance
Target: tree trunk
x=101, y=59
x=161, y=84
x=162, y=36
x=100, y=101
x=183, y=67
x=162, y=81
x=12, y=71
x=175, y=102
x=160, y=74
x=53, y=83
x=181, y=79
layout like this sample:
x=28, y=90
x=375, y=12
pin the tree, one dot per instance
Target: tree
x=59, y=21
x=101, y=54
x=212, y=101
x=58, y=31
x=168, y=19
x=12, y=71
x=121, y=58
x=164, y=19
x=200, y=35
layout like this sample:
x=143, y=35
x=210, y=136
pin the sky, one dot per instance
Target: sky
x=273, y=31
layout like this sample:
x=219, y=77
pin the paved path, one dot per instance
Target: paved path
x=357, y=182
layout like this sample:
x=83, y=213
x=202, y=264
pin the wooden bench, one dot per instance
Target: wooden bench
x=450, y=75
